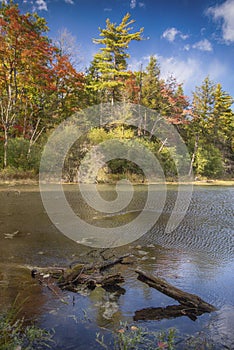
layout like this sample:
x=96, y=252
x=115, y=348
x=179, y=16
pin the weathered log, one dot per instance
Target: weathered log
x=107, y=264
x=111, y=280
x=171, y=311
x=49, y=281
x=184, y=298
x=89, y=274
x=94, y=279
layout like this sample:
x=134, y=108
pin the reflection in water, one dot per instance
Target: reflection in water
x=221, y=327
x=17, y=284
x=196, y=257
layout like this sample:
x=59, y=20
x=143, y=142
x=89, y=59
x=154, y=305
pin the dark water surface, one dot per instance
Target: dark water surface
x=197, y=257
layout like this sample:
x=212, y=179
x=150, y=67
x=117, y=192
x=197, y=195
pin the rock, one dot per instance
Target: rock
x=142, y=252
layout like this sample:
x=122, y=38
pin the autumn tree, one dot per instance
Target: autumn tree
x=109, y=66
x=20, y=73
x=131, y=89
x=165, y=97
x=33, y=76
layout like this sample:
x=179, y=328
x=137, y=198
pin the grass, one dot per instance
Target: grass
x=131, y=337
x=15, y=335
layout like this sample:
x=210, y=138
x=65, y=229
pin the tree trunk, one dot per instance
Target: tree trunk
x=171, y=311
x=194, y=155
x=5, y=157
x=184, y=298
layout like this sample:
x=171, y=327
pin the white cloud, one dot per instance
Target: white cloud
x=184, y=36
x=190, y=71
x=69, y=2
x=203, y=45
x=171, y=33
x=225, y=12
x=202, y=31
x=183, y=70
x=217, y=70
x=141, y=4
x=107, y=9
x=187, y=47
x=41, y=5
x=133, y=4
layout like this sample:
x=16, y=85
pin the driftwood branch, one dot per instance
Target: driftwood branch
x=89, y=275
x=171, y=311
x=110, y=263
x=191, y=304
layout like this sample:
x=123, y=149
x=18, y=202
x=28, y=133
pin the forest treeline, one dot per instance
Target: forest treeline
x=40, y=86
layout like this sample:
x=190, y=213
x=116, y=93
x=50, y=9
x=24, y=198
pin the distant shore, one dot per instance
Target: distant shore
x=208, y=182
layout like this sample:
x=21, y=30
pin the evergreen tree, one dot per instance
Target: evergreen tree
x=151, y=89
x=222, y=118
x=203, y=102
x=109, y=66
x=210, y=132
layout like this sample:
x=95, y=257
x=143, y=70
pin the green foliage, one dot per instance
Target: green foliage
x=109, y=67
x=151, y=87
x=19, y=156
x=14, y=334
x=211, y=129
x=137, y=338
x=209, y=162
x=46, y=88
x=38, y=86
x=167, y=162
x=98, y=135
x=11, y=173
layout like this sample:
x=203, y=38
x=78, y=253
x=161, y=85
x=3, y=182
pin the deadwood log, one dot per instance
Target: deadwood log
x=171, y=311
x=120, y=260
x=49, y=281
x=184, y=298
x=89, y=274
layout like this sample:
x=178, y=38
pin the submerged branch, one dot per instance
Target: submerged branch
x=190, y=303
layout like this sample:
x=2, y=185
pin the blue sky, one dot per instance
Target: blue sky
x=190, y=38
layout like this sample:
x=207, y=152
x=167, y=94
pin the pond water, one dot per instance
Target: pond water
x=197, y=257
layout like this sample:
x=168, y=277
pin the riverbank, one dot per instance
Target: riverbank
x=208, y=182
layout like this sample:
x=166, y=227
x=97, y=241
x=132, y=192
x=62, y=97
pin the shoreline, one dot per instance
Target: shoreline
x=210, y=182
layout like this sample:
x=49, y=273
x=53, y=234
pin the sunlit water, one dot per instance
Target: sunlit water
x=197, y=257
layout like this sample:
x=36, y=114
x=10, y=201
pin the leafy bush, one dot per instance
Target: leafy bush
x=19, y=157
x=11, y=173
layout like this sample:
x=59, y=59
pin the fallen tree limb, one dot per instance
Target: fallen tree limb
x=171, y=311
x=107, y=264
x=184, y=298
x=47, y=280
x=89, y=274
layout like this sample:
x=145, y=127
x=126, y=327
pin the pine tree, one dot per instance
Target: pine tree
x=203, y=102
x=211, y=129
x=222, y=118
x=151, y=89
x=109, y=66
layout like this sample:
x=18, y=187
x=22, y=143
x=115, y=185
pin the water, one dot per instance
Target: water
x=197, y=257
